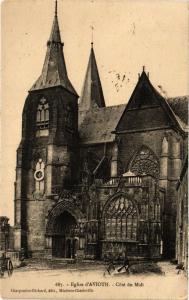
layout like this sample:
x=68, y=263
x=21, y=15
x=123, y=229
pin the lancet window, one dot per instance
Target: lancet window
x=42, y=118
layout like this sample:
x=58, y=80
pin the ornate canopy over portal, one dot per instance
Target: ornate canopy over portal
x=63, y=206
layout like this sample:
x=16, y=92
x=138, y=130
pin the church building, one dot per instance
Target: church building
x=94, y=181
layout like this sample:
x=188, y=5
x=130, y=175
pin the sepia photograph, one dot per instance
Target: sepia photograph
x=94, y=149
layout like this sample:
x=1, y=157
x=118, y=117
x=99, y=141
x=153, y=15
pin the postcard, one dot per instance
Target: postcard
x=94, y=154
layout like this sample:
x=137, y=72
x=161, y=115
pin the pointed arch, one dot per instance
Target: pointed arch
x=61, y=207
x=42, y=118
x=145, y=162
x=120, y=218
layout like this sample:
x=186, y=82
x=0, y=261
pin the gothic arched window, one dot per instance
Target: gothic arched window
x=145, y=162
x=42, y=118
x=121, y=221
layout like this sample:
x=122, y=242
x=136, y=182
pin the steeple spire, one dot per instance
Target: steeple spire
x=92, y=93
x=54, y=71
x=55, y=32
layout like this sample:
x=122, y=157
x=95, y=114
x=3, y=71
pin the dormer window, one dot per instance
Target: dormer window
x=42, y=118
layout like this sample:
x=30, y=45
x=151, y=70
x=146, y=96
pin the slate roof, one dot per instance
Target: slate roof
x=92, y=93
x=54, y=71
x=145, y=95
x=180, y=106
x=96, y=125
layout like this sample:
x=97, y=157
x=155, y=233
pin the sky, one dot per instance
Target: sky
x=127, y=35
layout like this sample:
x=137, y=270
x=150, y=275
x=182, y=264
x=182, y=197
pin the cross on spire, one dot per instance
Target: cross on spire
x=56, y=4
x=92, y=93
x=92, y=28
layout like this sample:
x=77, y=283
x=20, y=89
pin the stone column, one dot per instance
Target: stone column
x=18, y=209
x=172, y=195
x=114, y=161
x=176, y=159
x=164, y=163
x=48, y=170
x=48, y=246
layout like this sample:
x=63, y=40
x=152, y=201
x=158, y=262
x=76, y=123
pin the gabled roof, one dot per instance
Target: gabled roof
x=92, y=93
x=54, y=71
x=180, y=106
x=146, y=96
x=97, y=124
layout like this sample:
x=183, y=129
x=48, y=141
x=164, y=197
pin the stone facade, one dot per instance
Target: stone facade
x=94, y=181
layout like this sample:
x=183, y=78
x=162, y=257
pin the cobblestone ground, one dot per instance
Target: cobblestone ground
x=72, y=278
x=168, y=269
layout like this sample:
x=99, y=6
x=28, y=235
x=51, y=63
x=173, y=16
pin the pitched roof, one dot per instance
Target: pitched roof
x=97, y=124
x=54, y=71
x=146, y=95
x=92, y=93
x=180, y=107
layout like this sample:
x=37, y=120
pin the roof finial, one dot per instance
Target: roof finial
x=143, y=68
x=56, y=8
x=92, y=28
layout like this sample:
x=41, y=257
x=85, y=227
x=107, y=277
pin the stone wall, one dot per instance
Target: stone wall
x=167, y=147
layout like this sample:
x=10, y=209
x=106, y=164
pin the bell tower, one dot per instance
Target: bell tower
x=47, y=154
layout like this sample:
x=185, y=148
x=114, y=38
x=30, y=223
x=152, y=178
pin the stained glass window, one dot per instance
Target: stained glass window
x=121, y=220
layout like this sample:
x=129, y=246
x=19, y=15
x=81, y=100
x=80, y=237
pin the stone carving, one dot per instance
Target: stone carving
x=145, y=163
x=66, y=195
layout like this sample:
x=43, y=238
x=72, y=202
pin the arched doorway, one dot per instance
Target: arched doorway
x=63, y=236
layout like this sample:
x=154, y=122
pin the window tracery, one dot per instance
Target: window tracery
x=42, y=118
x=145, y=163
x=144, y=235
x=121, y=220
x=144, y=211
